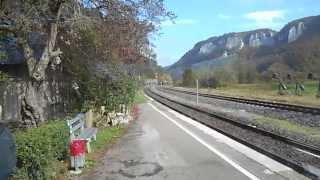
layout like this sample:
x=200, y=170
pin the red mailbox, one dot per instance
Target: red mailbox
x=77, y=147
x=77, y=154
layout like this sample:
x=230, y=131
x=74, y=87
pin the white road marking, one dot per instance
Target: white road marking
x=221, y=155
x=149, y=98
x=252, y=154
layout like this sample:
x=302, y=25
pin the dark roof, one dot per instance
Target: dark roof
x=9, y=52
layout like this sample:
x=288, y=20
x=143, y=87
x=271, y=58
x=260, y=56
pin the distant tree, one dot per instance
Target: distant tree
x=244, y=71
x=165, y=79
x=310, y=76
x=213, y=82
x=188, y=78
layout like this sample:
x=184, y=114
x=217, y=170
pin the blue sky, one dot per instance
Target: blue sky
x=200, y=19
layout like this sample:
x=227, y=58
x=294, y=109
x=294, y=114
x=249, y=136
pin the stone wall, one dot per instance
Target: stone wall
x=51, y=99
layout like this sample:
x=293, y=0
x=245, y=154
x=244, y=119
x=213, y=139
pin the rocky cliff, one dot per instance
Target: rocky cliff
x=231, y=44
x=226, y=45
x=296, y=29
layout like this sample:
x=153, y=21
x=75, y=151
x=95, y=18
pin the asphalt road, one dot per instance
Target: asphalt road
x=163, y=144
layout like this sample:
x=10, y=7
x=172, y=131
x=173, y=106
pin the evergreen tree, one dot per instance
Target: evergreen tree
x=188, y=78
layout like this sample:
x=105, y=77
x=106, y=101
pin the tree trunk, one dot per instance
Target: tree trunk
x=47, y=55
x=33, y=102
x=30, y=112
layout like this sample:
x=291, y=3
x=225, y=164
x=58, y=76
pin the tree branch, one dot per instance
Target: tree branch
x=55, y=53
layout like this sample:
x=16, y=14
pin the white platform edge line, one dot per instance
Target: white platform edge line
x=262, y=159
x=249, y=152
x=221, y=155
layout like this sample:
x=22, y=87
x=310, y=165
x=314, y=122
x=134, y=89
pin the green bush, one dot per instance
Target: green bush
x=3, y=76
x=39, y=148
x=99, y=92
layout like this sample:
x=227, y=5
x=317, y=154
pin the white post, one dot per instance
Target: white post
x=197, y=82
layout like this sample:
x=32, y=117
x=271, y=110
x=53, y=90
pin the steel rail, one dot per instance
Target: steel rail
x=294, y=143
x=276, y=105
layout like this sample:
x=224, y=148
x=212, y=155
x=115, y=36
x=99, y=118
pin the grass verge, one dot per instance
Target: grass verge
x=139, y=97
x=105, y=138
x=291, y=127
x=269, y=92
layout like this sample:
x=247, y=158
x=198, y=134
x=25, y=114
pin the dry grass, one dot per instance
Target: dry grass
x=292, y=127
x=270, y=92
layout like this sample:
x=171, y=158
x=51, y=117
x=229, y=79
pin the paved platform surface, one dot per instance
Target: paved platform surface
x=163, y=144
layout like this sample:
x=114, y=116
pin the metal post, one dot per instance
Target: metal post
x=318, y=94
x=197, y=82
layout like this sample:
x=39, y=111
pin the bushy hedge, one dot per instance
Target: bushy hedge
x=111, y=94
x=39, y=148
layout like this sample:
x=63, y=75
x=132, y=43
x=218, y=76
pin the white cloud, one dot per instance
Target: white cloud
x=179, y=22
x=223, y=16
x=265, y=16
x=264, y=19
x=274, y=2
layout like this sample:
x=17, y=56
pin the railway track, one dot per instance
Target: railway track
x=288, y=145
x=269, y=104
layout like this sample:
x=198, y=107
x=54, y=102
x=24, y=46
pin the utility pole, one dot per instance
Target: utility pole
x=197, y=82
x=318, y=94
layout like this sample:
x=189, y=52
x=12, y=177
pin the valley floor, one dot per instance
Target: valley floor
x=270, y=92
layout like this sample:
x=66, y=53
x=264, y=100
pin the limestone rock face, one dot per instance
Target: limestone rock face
x=234, y=42
x=295, y=32
x=207, y=48
x=227, y=44
x=261, y=39
x=225, y=54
